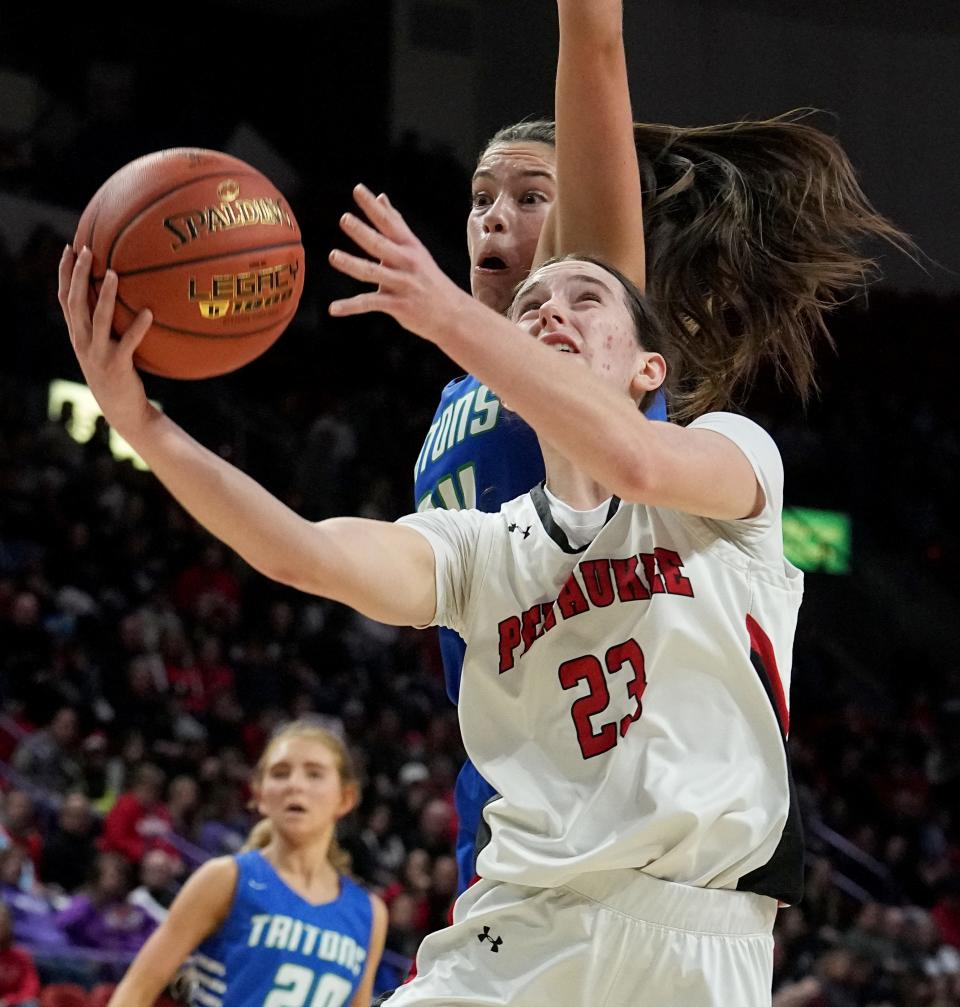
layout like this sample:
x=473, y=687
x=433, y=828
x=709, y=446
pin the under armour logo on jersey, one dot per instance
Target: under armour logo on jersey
x=495, y=942
x=259, y=885
x=524, y=531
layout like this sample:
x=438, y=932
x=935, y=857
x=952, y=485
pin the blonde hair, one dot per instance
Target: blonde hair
x=262, y=833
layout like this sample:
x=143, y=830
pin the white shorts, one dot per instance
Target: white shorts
x=610, y=939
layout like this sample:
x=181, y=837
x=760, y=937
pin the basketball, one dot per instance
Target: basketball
x=209, y=245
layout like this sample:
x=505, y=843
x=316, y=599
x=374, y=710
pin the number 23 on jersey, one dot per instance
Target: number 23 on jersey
x=625, y=657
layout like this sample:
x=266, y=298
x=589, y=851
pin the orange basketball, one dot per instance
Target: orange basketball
x=209, y=245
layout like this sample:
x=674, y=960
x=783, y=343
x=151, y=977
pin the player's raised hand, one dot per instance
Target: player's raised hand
x=411, y=287
x=107, y=363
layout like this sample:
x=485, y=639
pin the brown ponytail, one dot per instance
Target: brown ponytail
x=262, y=832
x=752, y=235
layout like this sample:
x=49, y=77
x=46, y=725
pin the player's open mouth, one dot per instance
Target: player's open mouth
x=295, y=809
x=491, y=264
x=559, y=343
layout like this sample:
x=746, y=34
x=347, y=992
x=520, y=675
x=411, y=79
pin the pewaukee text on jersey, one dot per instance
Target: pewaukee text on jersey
x=595, y=583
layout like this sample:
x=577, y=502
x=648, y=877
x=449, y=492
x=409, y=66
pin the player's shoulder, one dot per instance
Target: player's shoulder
x=457, y=387
x=441, y=518
x=217, y=876
x=225, y=868
x=724, y=420
x=519, y=507
x=523, y=501
x=752, y=438
x=209, y=891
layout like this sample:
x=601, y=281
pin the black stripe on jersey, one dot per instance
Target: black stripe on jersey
x=781, y=877
x=559, y=536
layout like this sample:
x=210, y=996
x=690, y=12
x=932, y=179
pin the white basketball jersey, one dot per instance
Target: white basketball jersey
x=628, y=700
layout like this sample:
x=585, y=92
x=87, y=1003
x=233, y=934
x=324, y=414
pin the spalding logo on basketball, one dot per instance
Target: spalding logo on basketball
x=209, y=245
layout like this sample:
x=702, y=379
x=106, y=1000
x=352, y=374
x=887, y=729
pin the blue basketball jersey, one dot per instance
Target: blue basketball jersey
x=477, y=455
x=275, y=949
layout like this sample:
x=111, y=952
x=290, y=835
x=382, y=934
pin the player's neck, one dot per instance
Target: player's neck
x=304, y=864
x=570, y=484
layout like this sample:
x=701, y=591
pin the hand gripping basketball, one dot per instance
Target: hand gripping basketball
x=107, y=363
x=411, y=287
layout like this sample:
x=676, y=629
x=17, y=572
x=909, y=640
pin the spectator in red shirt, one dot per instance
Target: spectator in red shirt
x=217, y=675
x=17, y=724
x=207, y=585
x=183, y=675
x=415, y=881
x=19, y=983
x=139, y=821
x=946, y=912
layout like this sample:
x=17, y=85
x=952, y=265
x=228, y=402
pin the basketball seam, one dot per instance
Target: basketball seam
x=203, y=258
x=205, y=335
x=167, y=192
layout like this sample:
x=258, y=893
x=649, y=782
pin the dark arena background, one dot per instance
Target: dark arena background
x=130, y=639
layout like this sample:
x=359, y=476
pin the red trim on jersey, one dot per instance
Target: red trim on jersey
x=761, y=646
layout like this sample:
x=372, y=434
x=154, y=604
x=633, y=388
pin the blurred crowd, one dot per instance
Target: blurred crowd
x=142, y=670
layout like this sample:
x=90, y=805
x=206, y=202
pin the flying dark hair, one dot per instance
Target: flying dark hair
x=753, y=233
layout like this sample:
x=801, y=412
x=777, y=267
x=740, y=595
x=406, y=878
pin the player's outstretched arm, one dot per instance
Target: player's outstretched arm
x=199, y=908
x=385, y=571
x=598, y=209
